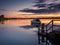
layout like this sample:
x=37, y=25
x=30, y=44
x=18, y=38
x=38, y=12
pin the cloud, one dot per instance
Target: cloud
x=38, y=10
x=3, y=10
x=55, y=7
x=43, y=7
x=39, y=5
x=40, y=1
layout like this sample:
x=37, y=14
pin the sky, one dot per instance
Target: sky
x=15, y=4
x=12, y=6
x=15, y=8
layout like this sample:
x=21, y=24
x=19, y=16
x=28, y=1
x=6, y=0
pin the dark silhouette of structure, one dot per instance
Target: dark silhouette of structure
x=1, y=17
x=53, y=37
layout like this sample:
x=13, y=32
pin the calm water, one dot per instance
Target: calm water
x=12, y=32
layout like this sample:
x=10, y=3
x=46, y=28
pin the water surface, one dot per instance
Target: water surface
x=12, y=32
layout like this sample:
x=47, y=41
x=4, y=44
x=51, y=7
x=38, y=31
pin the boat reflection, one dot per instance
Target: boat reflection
x=49, y=40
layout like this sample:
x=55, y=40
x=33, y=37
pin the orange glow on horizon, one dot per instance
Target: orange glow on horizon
x=29, y=15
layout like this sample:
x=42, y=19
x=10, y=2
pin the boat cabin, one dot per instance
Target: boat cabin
x=36, y=22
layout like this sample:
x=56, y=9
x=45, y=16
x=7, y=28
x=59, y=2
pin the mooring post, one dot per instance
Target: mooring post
x=38, y=30
x=52, y=25
x=38, y=34
x=42, y=31
x=42, y=28
x=38, y=39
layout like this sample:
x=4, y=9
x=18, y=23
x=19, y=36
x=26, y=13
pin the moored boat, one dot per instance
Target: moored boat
x=36, y=22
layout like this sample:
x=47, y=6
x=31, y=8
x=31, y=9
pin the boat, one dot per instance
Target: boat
x=36, y=22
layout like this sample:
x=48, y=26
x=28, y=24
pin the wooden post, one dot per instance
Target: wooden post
x=42, y=30
x=38, y=39
x=38, y=26
x=52, y=25
x=38, y=30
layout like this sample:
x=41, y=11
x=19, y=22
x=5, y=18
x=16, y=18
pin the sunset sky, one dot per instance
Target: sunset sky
x=30, y=8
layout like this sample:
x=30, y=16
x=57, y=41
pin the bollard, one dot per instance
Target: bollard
x=38, y=39
x=42, y=28
x=42, y=31
x=38, y=30
x=38, y=26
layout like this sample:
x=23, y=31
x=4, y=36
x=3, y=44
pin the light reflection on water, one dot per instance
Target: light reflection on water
x=11, y=32
x=26, y=21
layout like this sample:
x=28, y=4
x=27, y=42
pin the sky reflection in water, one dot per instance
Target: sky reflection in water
x=13, y=32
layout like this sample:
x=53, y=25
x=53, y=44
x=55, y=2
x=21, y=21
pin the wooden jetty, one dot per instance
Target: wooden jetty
x=53, y=36
x=44, y=28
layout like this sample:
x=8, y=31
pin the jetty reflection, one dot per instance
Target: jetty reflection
x=53, y=36
x=54, y=40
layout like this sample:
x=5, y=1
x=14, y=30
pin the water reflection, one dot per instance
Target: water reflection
x=28, y=26
x=49, y=40
x=22, y=32
x=2, y=21
x=27, y=21
x=54, y=39
x=42, y=40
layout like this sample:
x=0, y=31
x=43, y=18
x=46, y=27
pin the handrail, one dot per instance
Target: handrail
x=49, y=23
x=51, y=27
x=48, y=26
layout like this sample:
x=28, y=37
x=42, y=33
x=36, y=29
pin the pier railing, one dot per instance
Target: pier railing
x=51, y=27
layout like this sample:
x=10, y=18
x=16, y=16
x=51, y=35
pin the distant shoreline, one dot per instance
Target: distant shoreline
x=34, y=18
